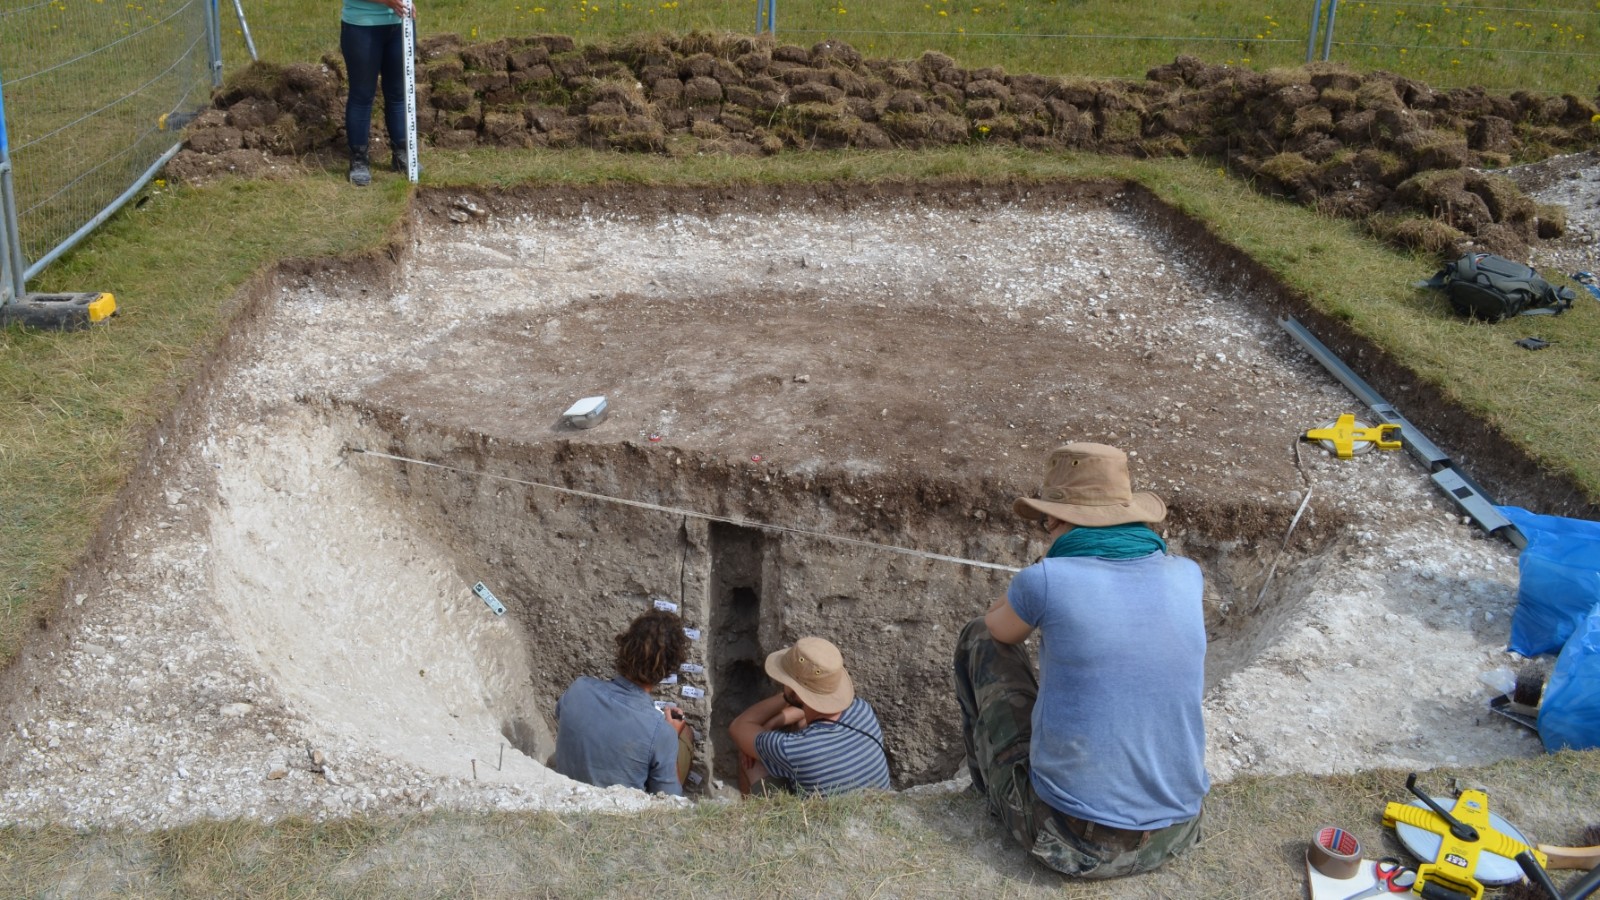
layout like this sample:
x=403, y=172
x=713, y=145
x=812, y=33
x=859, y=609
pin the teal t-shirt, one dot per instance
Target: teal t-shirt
x=366, y=12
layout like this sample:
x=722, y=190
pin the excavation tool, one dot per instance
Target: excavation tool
x=1577, y=890
x=1466, y=493
x=1570, y=857
x=1466, y=845
x=1347, y=438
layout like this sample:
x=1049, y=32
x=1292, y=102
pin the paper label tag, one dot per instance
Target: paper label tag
x=670, y=679
x=664, y=605
x=691, y=668
x=489, y=599
x=694, y=778
x=692, y=634
x=692, y=692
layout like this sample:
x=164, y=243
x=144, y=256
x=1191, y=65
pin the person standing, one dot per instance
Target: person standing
x=1097, y=765
x=609, y=732
x=373, y=45
x=815, y=736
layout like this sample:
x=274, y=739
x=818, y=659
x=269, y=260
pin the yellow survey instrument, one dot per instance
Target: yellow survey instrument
x=1346, y=437
x=1464, y=832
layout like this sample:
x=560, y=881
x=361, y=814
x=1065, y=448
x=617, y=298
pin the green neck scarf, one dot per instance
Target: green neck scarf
x=1130, y=541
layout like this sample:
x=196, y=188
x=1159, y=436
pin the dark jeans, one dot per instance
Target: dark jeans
x=371, y=51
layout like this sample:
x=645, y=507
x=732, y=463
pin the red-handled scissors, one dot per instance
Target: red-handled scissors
x=1393, y=878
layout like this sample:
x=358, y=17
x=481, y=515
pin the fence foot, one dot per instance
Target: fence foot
x=59, y=312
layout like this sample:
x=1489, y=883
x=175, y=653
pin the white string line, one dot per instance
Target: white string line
x=677, y=511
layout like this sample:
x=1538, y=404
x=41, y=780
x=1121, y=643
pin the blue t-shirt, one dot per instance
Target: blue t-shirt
x=829, y=758
x=1118, y=735
x=610, y=733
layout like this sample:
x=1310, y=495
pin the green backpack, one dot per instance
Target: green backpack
x=1489, y=287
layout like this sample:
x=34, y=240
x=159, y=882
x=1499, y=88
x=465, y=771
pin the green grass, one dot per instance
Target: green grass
x=1551, y=48
x=857, y=846
x=74, y=408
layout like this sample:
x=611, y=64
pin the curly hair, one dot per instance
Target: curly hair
x=652, y=648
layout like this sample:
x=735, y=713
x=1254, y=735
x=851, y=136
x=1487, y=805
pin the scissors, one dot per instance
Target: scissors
x=1393, y=878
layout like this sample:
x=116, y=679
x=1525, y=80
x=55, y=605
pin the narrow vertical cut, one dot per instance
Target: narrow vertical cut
x=734, y=651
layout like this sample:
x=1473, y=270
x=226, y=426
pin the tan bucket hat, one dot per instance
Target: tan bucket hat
x=814, y=668
x=1088, y=484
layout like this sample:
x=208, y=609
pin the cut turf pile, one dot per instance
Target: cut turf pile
x=1387, y=150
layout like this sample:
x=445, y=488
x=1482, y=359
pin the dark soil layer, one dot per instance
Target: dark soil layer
x=1376, y=147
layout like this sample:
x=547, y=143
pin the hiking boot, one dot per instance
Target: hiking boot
x=360, y=167
x=397, y=161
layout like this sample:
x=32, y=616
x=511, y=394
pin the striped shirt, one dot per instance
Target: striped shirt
x=827, y=757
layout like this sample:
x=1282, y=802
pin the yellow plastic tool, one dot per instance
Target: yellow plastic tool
x=1346, y=437
x=1459, y=847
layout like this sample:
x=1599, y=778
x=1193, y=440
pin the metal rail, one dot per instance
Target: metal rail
x=1444, y=472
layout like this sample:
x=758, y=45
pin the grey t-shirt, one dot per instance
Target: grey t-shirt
x=610, y=733
x=1118, y=736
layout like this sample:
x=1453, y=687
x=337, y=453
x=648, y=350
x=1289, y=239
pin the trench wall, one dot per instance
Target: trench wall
x=574, y=570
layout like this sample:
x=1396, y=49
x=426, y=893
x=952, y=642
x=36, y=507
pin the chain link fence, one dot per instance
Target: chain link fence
x=1543, y=47
x=95, y=96
x=93, y=93
x=1546, y=47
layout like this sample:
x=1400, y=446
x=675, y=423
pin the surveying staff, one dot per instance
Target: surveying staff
x=609, y=732
x=373, y=45
x=816, y=735
x=1097, y=766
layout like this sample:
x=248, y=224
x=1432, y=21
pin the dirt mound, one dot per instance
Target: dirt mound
x=1376, y=147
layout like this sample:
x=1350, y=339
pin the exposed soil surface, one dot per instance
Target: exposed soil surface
x=1411, y=162
x=292, y=571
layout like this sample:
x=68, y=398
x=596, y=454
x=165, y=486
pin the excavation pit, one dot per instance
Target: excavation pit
x=821, y=405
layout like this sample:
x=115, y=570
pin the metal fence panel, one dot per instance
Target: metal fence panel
x=1533, y=46
x=95, y=94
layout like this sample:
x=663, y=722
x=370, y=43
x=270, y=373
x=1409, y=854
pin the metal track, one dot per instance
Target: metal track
x=1455, y=483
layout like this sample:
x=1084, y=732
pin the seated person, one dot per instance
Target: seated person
x=816, y=735
x=1094, y=762
x=609, y=731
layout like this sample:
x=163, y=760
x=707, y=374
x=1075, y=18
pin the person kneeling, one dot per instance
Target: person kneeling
x=815, y=736
x=609, y=732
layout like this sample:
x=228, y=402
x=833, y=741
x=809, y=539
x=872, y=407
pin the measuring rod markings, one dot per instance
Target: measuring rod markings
x=408, y=34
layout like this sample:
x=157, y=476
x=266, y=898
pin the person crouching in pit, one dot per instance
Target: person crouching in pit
x=813, y=737
x=609, y=732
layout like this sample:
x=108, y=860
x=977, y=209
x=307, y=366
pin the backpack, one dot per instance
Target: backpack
x=1489, y=287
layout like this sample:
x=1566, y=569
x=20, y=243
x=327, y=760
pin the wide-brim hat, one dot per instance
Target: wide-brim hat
x=1088, y=484
x=814, y=668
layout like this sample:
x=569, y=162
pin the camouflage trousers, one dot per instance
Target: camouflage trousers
x=996, y=687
